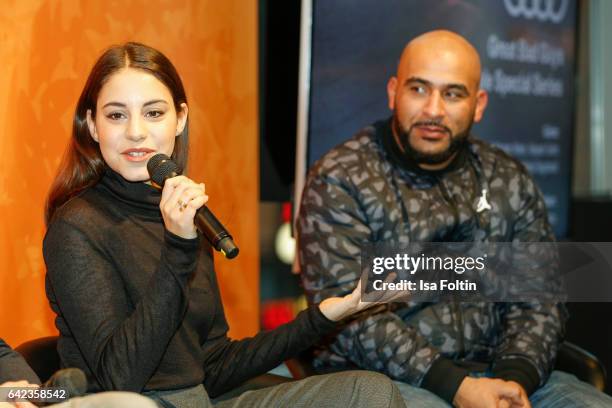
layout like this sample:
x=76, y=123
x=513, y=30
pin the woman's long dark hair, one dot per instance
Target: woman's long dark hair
x=82, y=165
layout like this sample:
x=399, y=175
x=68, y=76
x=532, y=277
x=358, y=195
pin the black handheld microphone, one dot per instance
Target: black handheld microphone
x=72, y=380
x=161, y=167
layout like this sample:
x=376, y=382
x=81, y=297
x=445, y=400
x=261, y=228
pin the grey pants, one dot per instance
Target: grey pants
x=345, y=389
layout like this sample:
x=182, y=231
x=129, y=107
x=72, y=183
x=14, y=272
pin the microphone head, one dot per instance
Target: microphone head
x=161, y=167
x=72, y=380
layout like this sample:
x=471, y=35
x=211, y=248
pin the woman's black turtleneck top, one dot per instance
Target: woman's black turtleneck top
x=138, y=308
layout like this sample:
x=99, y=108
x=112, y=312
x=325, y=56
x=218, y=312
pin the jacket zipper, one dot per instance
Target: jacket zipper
x=458, y=315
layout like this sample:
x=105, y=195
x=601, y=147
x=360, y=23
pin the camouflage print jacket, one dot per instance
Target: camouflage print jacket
x=365, y=191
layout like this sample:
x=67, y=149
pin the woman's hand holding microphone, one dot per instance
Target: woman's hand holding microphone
x=181, y=198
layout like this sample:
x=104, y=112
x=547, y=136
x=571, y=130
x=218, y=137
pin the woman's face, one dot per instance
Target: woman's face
x=135, y=119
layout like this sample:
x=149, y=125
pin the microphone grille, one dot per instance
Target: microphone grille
x=160, y=167
x=73, y=380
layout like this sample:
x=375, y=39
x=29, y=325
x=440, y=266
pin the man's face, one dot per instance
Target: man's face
x=435, y=100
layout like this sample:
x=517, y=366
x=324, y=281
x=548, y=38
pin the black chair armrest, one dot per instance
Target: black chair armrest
x=584, y=365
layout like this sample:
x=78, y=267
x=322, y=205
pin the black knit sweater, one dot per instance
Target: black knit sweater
x=139, y=309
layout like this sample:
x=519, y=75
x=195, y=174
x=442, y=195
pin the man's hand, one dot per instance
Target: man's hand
x=523, y=394
x=18, y=384
x=490, y=393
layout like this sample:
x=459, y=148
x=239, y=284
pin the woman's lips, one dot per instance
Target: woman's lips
x=137, y=155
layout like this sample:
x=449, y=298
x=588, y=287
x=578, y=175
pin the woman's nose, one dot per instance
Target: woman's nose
x=136, y=128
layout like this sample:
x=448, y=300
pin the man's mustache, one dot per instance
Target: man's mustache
x=434, y=123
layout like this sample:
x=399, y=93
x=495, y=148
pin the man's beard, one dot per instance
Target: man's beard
x=457, y=142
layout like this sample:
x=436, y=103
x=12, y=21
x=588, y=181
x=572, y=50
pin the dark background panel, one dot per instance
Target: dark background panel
x=590, y=323
x=279, y=39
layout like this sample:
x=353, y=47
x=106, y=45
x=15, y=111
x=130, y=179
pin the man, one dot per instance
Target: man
x=421, y=177
x=16, y=373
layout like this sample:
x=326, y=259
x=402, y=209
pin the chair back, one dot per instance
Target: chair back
x=41, y=354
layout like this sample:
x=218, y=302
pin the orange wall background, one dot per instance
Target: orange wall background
x=47, y=49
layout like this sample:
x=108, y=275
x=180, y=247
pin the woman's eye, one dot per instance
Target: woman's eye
x=115, y=116
x=154, y=113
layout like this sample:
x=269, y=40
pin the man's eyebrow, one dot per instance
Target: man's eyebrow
x=457, y=86
x=123, y=105
x=417, y=80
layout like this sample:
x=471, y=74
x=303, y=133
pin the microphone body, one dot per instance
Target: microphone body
x=72, y=380
x=161, y=168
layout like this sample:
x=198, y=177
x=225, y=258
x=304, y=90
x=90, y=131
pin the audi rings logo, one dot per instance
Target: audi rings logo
x=541, y=10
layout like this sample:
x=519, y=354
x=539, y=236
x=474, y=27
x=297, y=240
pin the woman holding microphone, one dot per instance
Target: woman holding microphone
x=132, y=282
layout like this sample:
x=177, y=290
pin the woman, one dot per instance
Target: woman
x=131, y=282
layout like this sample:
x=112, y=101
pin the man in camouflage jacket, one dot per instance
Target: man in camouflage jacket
x=420, y=177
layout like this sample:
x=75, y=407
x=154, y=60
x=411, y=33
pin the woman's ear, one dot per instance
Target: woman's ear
x=182, y=118
x=92, y=126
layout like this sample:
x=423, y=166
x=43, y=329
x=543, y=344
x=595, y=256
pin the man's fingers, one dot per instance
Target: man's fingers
x=510, y=392
x=511, y=403
x=513, y=388
x=504, y=403
x=525, y=399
